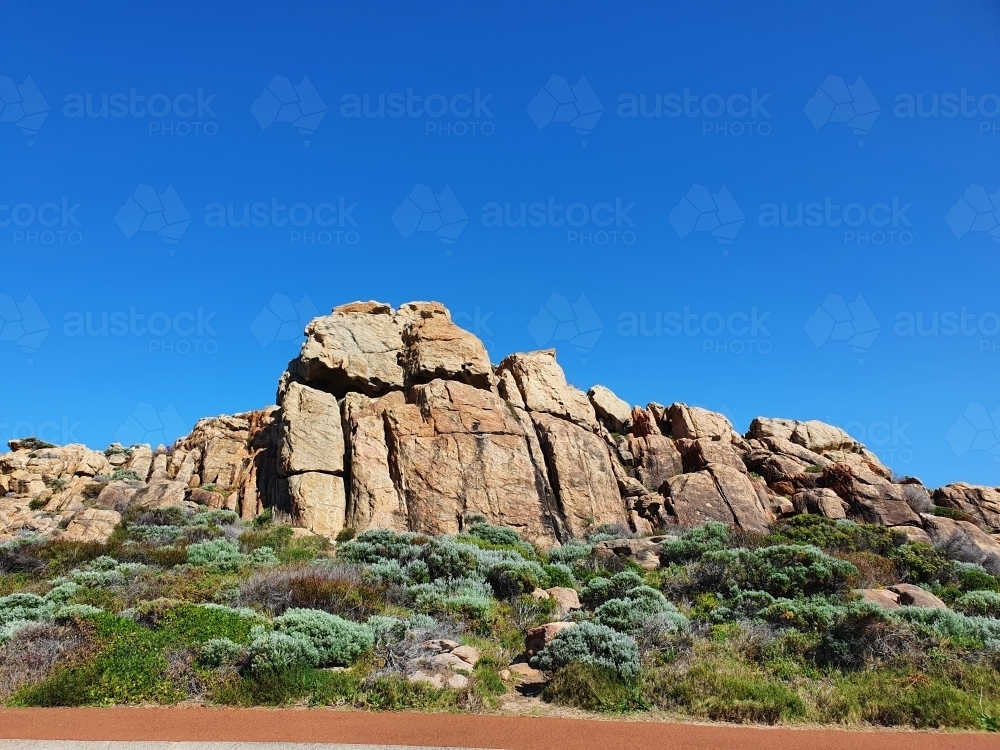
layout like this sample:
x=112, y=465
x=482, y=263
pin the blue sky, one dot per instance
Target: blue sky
x=729, y=205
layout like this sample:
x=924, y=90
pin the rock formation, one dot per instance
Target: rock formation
x=395, y=418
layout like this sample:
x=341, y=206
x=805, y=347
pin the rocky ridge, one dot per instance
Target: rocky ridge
x=395, y=418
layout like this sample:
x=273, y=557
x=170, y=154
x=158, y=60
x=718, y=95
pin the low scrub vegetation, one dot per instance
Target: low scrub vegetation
x=182, y=606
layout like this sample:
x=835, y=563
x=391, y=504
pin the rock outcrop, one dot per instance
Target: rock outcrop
x=395, y=419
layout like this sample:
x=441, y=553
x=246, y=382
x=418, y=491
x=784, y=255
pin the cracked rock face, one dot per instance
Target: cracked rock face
x=396, y=419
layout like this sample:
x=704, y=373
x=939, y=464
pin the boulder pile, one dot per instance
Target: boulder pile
x=395, y=418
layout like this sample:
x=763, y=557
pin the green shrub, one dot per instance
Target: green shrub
x=725, y=690
x=637, y=607
x=559, y=574
x=980, y=603
x=783, y=570
x=338, y=642
x=953, y=513
x=214, y=517
x=692, y=544
x=593, y=688
x=125, y=475
x=588, y=643
x=218, y=651
x=837, y=535
x=570, y=553
x=220, y=554
x=599, y=589
x=380, y=544
x=919, y=562
x=979, y=632
x=273, y=651
x=974, y=577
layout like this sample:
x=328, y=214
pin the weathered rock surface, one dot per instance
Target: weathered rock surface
x=643, y=552
x=821, y=502
x=963, y=541
x=982, y=504
x=693, y=422
x=542, y=386
x=538, y=638
x=870, y=497
x=580, y=470
x=312, y=437
x=91, y=525
x=461, y=450
x=614, y=413
x=914, y=596
x=655, y=459
x=374, y=500
x=434, y=347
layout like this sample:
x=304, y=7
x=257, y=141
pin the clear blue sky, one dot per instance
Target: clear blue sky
x=204, y=176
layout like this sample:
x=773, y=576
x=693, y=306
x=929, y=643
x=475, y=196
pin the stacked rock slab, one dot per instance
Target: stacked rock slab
x=395, y=419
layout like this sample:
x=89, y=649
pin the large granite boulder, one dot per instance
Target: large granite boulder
x=963, y=541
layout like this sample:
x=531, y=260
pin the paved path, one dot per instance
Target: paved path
x=218, y=728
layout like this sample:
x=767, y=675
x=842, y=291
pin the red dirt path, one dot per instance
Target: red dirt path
x=516, y=733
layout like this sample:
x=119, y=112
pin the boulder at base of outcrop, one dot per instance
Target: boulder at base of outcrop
x=820, y=502
x=538, y=638
x=318, y=502
x=883, y=597
x=870, y=497
x=719, y=493
x=982, y=504
x=963, y=541
x=161, y=493
x=914, y=596
x=312, y=437
x=643, y=552
x=566, y=599
x=91, y=525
